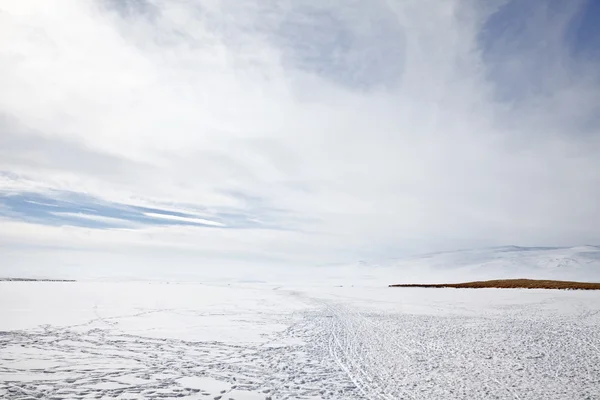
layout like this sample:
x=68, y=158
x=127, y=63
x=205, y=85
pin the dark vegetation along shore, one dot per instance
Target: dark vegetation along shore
x=511, y=284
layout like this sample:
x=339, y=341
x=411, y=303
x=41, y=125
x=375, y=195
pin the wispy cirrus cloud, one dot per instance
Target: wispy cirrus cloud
x=338, y=130
x=74, y=209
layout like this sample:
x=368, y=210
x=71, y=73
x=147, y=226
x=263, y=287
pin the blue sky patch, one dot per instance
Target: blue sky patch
x=530, y=47
x=583, y=34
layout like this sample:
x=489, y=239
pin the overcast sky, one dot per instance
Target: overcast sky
x=138, y=133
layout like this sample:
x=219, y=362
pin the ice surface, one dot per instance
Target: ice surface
x=150, y=340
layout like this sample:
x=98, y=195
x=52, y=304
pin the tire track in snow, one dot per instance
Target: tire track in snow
x=364, y=354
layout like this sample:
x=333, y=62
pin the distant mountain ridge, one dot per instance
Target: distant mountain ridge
x=504, y=262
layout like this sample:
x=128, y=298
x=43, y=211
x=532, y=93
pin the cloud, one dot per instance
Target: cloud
x=73, y=209
x=199, y=221
x=350, y=129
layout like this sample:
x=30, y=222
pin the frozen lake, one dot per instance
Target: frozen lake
x=145, y=340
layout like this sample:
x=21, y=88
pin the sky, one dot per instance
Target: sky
x=140, y=135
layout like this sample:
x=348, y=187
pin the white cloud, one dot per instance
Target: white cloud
x=190, y=101
x=97, y=218
x=184, y=219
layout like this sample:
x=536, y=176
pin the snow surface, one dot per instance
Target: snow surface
x=150, y=340
x=333, y=332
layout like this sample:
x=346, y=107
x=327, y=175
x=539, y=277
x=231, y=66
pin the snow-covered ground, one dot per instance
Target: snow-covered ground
x=250, y=341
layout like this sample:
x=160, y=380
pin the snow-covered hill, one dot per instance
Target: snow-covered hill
x=580, y=263
x=566, y=263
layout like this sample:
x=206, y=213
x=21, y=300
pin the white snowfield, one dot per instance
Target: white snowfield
x=251, y=341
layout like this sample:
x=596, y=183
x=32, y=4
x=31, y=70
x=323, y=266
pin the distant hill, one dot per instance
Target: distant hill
x=580, y=263
x=34, y=280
